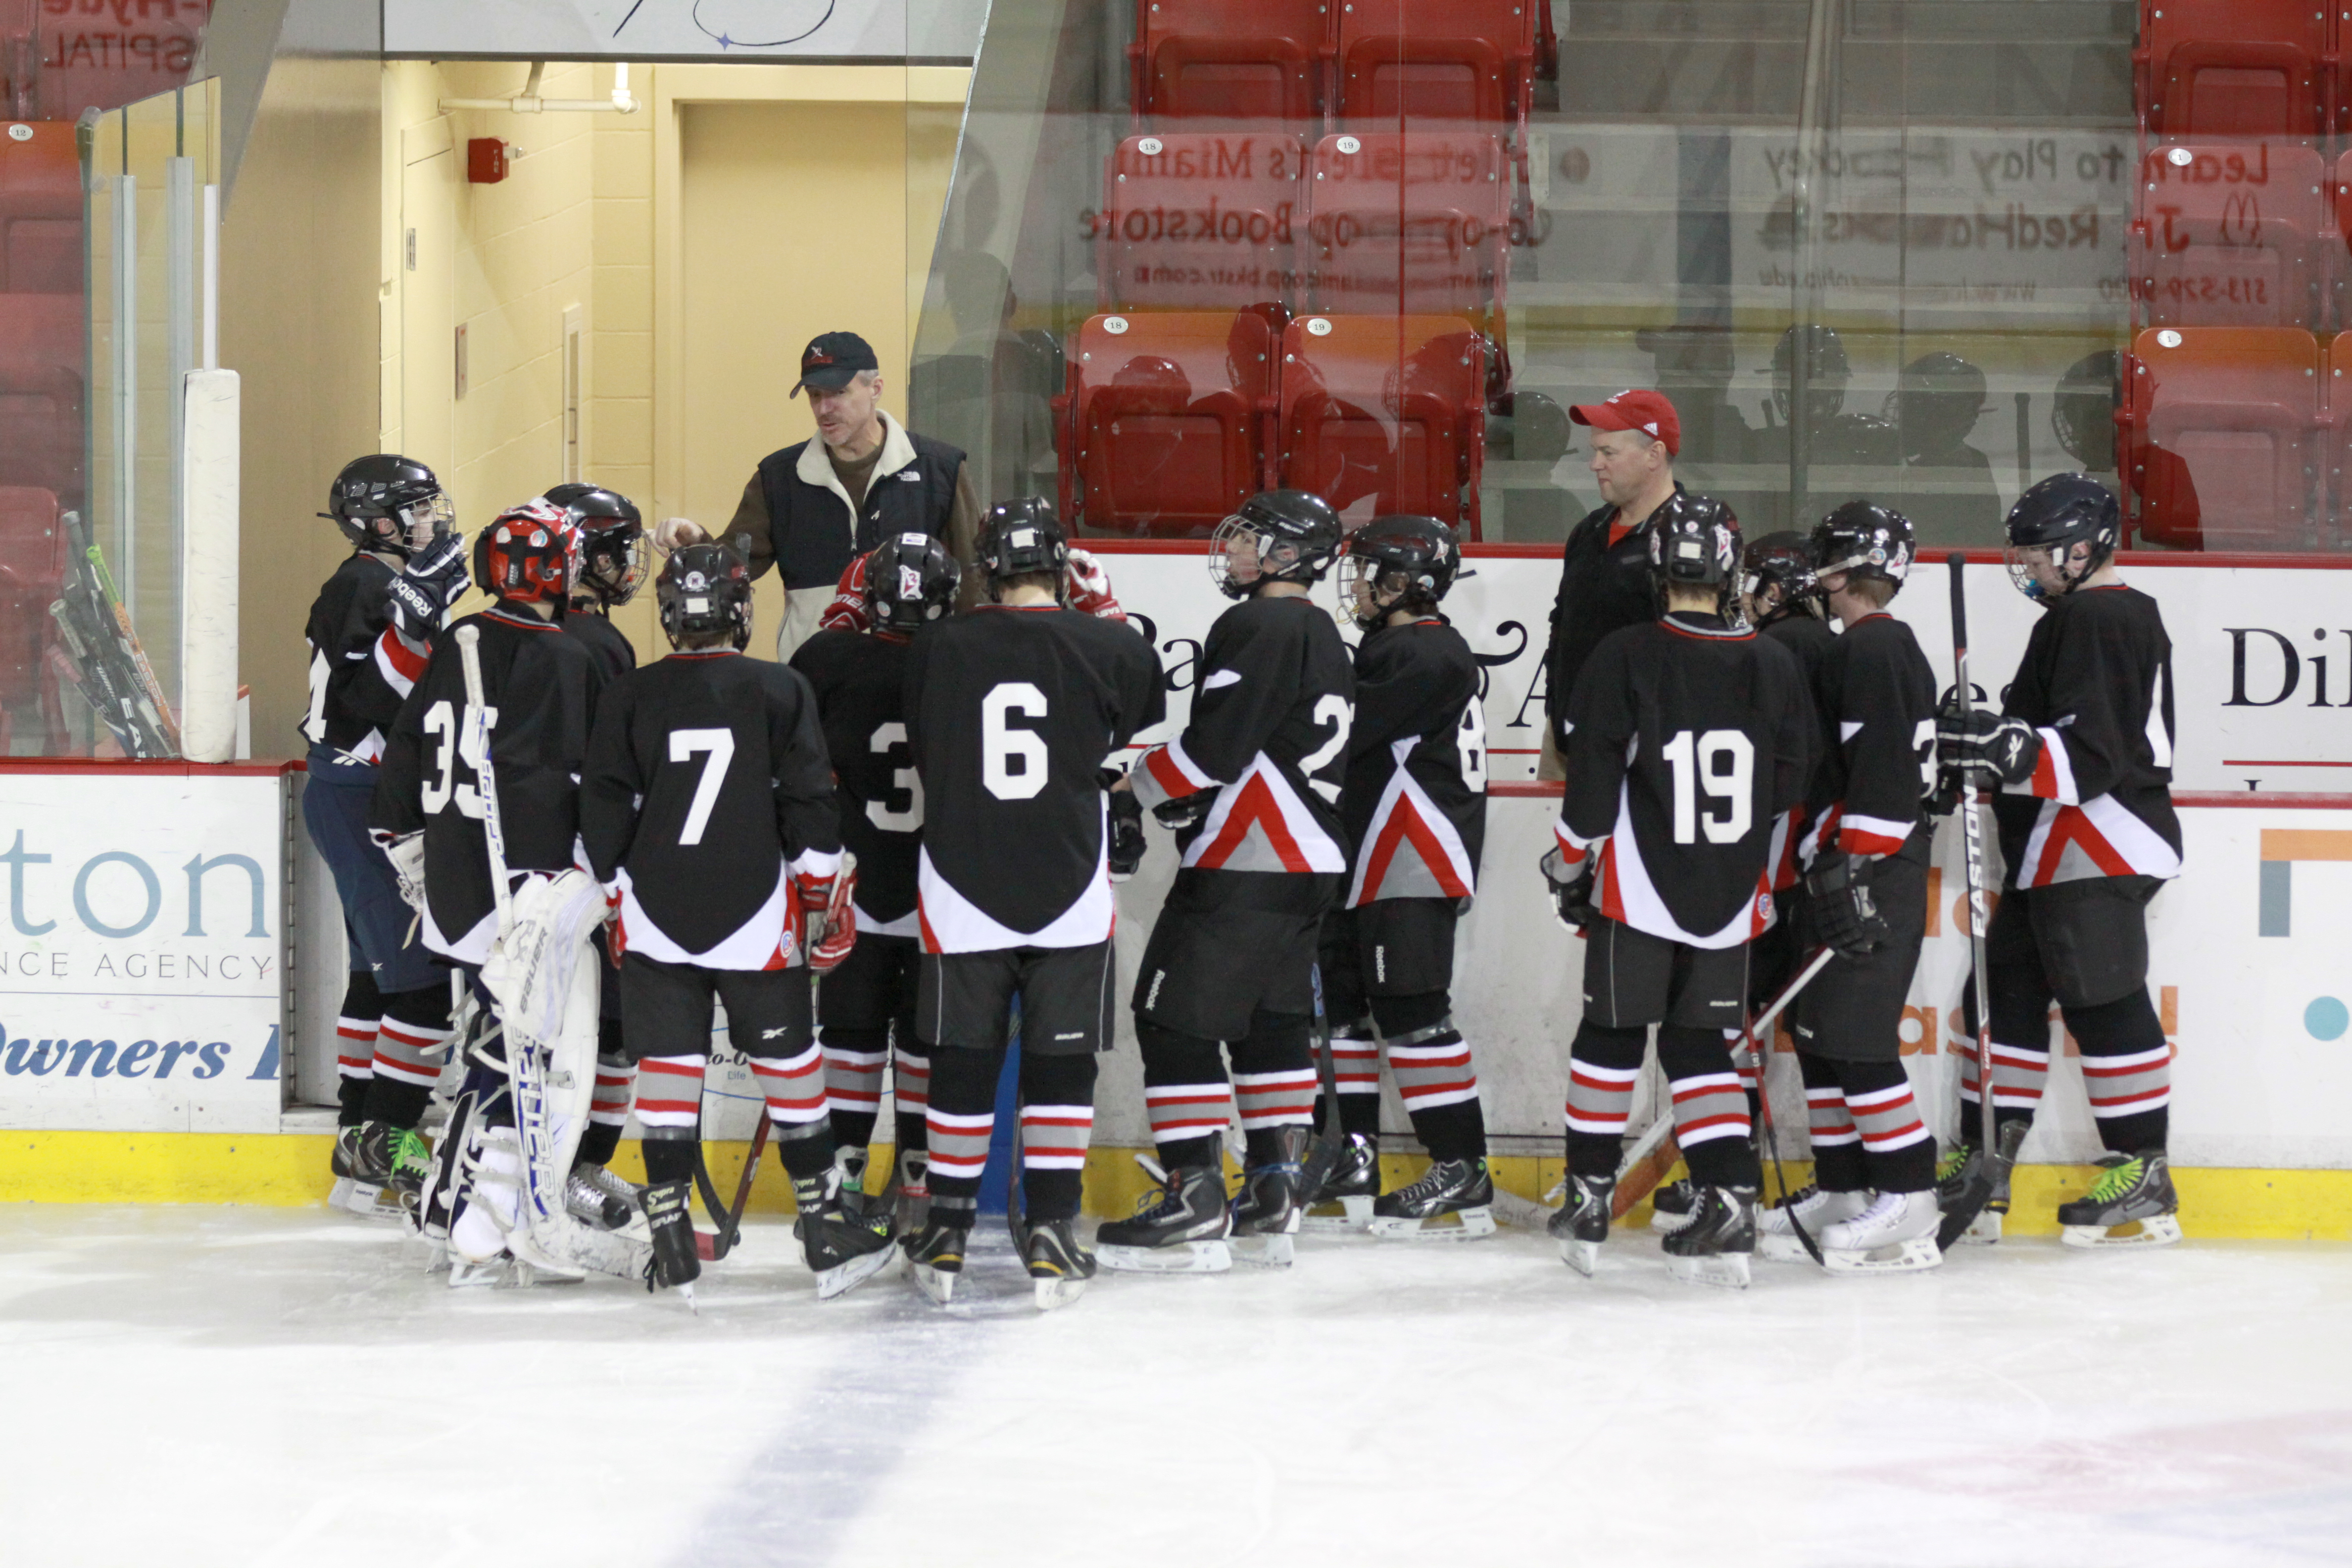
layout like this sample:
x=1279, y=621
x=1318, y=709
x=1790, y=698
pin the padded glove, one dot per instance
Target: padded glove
x=1985, y=746
x=1843, y=912
x=434, y=579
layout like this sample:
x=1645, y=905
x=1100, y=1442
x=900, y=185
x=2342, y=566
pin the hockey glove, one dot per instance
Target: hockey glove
x=406, y=853
x=1572, y=896
x=1087, y=587
x=1185, y=811
x=845, y=612
x=1987, y=747
x=434, y=579
x=1126, y=835
x=1843, y=913
x=829, y=912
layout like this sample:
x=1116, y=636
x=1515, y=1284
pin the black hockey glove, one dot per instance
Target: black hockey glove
x=1844, y=916
x=1573, y=897
x=434, y=579
x=1985, y=746
x=1126, y=834
x=1185, y=810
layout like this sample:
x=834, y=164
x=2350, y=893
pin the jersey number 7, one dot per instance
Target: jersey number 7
x=718, y=749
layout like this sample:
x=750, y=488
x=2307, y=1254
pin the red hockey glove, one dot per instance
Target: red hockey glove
x=1090, y=587
x=847, y=613
x=828, y=914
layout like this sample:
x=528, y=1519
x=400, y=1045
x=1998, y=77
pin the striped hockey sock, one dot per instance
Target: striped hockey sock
x=1897, y=1146
x=797, y=1123
x=1603, y=1064
x=1837, y=1144
x=355, y=1031
x=910, y=1089
x=669, y=1095
x=1185, y=1093
x=1057, y=1123
x=1356, y=1078
x=1711, y=1123
x=2126, y=1071
x=853, y=1060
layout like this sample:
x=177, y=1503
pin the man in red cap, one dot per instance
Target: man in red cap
x=1604, y=575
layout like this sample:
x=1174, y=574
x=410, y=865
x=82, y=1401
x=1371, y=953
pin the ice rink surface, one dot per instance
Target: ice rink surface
x=257, y=1386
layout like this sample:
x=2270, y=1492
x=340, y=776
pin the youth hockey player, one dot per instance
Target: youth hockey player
x=1413, y=804
x=1686, y=739
x=865, y=1007
x=2082, y=752
x=1872, y=1207
x=1011, y=711
x=707, y=811
x=1252, y=787
x=367, y=631
x=611, y=569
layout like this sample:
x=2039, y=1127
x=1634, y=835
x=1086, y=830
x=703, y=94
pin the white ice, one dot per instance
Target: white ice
x=199, y=1387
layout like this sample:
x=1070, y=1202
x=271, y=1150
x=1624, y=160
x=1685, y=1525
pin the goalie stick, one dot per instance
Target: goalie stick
x=1993, y=1174
x=550, y=1235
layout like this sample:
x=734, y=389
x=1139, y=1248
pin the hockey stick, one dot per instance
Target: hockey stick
x=1972, y=1198
x=1323, y=1153
x=1759, y=1053
x=728, y=1217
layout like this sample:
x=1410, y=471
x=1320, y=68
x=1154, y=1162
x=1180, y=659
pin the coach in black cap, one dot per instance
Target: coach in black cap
x=814, y=506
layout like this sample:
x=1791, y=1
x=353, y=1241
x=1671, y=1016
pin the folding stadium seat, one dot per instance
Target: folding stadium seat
x=40, y=211
x=1413, y=223
x=1437, y=59
x=1203, y=220
x=1165, y=420
x=1247, y=60
x=2231, y=234
x=1390, y=409
x=2232, y=68
x=32, y=574
x=2223, y=432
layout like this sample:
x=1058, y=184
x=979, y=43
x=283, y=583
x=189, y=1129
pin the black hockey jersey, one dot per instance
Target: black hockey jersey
x=2096, y=681
x=1011, y=711
x=1686, y=740
x=540, y=689
x=1876, y=699
x=707, y=790
x=356, y=688
x=1268, y=732
x=860, y=680
x=1809, y=639
x=615, y=655
x=1414, y=799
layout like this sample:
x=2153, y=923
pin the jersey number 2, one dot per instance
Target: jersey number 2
x=1724, y=763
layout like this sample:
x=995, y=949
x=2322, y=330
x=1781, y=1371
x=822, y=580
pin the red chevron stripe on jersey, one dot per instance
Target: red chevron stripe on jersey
x=2096, y=838
x=1435, y=865
x=398, y=663
x=1259, y=824
x=1175, y=772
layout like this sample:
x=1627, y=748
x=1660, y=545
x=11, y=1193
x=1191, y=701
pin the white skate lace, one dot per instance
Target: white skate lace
x=1883, y=1211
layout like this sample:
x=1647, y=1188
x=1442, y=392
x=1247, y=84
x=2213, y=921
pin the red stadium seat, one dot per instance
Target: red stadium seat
x=2229, y=235
x=40, y=211
x=31, y=575
x=1389, y=409
x=1202, y=221
x=2232, y=67
x=1437, y=59
x=41, y=428
x=2224, y=429
x=1411, y=223
x=1165, y=420
x=1247, y=60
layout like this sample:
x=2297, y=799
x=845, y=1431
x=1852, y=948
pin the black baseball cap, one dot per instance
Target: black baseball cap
x=833, y=360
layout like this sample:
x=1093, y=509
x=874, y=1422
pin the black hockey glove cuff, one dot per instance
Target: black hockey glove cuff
x=1990, y=748
x=1186, y=810
x=1844, y=916
x=1574, y=897
x=1126, y=835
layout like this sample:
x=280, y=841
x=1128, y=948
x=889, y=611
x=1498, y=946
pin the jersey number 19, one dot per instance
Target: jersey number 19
x=1723, y=762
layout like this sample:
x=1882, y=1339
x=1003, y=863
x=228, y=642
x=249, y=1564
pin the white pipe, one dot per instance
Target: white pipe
x=211, y=277
x=528, y=101
x=208, y=569
x=126, y=384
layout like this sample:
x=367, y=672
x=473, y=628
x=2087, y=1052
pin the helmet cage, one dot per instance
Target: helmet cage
x=705, y=590
x=613, y=564
x=1244, y=552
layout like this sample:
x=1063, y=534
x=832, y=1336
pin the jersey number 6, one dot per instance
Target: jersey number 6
x=1002, y=746
x=1724, y=763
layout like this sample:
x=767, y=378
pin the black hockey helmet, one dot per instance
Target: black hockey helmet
x=1863, y=538
x=1937, y=401
x=1827, y=370
x=1781, y=562
x=910, y=580
x=2082, y=413
x=1694, y=544
x=2056, y=514
x=1276, y=536
x=612, y=541
x=1416, y=559
x=705, y=589
x=530, y=553
x=388, y=502
x=1018, y=538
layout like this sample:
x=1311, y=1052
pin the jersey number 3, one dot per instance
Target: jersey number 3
x=1723, y=761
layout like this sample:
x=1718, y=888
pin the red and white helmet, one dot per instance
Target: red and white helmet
x=530, y=553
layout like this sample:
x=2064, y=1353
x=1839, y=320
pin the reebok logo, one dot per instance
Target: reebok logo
x=1152, y=997
x=1073, y=1035
x=775, y=1033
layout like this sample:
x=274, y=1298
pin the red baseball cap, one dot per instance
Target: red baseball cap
x=1648, y=412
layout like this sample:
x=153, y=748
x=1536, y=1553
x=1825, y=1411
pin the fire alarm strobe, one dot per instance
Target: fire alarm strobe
x=486, y=161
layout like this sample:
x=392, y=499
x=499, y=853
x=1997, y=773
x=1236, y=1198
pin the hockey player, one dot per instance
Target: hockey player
x=1413, y=803
x=1252, y=786
x=1011, y=711
x=865, y=1007
x=611, y=569
x=1686, y=739
x=1865, y=851
x=707, y=811
x=367, y=632
x=2082, y=753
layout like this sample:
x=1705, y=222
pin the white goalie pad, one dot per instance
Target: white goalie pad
x=531, y=966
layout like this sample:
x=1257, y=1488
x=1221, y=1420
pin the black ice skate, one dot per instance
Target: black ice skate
x=675, y=1264
x=1454, y=1201
x=595, y=1196
x=1670, y=1206
x=1058, y=1266
x=935, y=1253
x=1973, y=1191
x=371, y=1195
x=347, y=1146
x=909, y=1191
x=1350, y=1187
x=1270, y=1204
x=1581, y=1225
x=2131, y=1205
x=1180, y=1230
x=845, y=1244
x=1714, y=1248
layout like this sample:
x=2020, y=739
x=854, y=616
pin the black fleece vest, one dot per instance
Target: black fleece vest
x=812, y=534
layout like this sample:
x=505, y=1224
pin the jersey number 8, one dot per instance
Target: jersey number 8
x=1722, y=762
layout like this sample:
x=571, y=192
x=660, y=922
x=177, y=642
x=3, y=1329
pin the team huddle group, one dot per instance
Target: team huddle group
x=890, y=852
